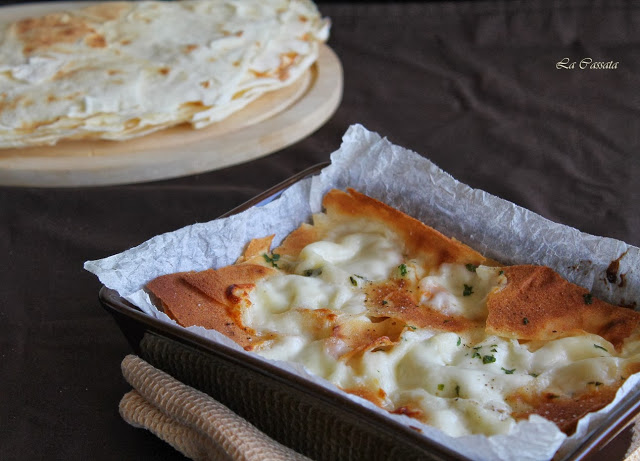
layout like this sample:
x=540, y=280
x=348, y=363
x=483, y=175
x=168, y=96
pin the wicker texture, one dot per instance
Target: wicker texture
x=191, y=421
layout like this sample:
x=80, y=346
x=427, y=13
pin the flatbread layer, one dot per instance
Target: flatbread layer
x=117, y=70
x=211, y=299
x=538, y=304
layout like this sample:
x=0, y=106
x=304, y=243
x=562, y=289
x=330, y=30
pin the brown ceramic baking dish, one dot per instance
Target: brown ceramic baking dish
x=300, y=414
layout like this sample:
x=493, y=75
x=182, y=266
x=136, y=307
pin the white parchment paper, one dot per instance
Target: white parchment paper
x=403, y=179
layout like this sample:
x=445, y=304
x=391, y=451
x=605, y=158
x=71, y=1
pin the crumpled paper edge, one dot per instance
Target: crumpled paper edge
x=430, y=195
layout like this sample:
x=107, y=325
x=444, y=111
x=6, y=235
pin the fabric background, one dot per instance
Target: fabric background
x=473, y=86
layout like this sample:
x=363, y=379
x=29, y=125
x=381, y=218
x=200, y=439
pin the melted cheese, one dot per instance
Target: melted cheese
x=445, y=291
x=465, y=382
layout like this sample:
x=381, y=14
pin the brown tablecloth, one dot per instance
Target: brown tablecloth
x=474, y=86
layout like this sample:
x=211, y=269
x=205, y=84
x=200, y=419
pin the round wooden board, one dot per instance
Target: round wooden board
x=272, y=122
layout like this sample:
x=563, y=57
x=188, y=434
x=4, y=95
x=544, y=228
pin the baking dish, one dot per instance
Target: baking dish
x=295, y=412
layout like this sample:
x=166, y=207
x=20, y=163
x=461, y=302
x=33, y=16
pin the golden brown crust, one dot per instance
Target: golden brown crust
x=565, y=412
x=318, y=322
x=397, y=300
x=219, y=284
x=297, y=240
x=376, y=396
x=40, y=33
x=538, y=304
x=190, y=307
x=255, y=250
x=419, y=239
x=361, y=336
x=211, y=299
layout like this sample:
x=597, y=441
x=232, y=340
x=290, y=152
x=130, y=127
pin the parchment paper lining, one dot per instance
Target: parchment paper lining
x=413, y=184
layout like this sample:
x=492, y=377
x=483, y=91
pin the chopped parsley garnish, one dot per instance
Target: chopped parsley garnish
x=508, y=372
x=412, y=327
x=441, y=387
x=600, y=347
x=403, y=269
x=588, y=298
x=525, y=321
x=354, y=282
x=477, y=348
x=384, y=302
x=271, y=260
x=494, y=349
x=488, y=359
x=471, y=267
x=501, y=272
x=475, y=354
x=459, y=341
x=468, y=290
x=313, y=272
x=535, y=375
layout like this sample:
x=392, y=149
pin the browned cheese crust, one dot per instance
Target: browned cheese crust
x=538, y=304
x=399, y=299
x=297, y=240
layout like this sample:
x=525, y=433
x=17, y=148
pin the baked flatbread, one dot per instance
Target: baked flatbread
x=391, y=310
x=117, y=70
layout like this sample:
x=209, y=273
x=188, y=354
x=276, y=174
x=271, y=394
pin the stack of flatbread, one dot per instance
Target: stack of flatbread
x=117, y=70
